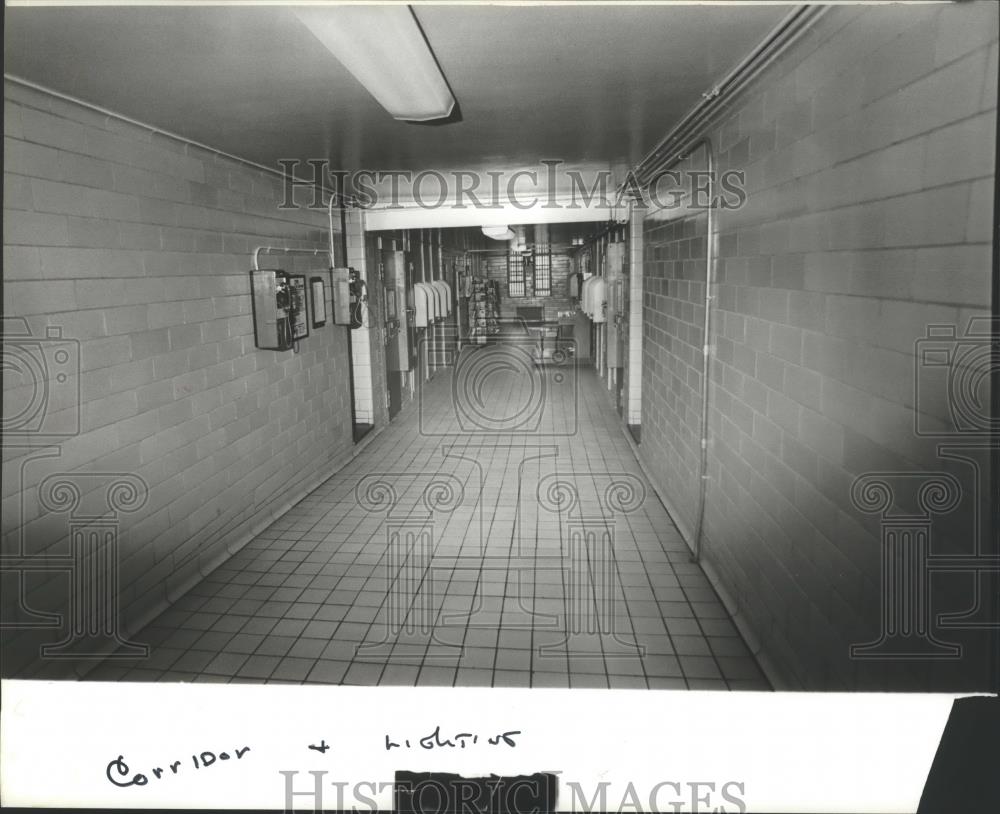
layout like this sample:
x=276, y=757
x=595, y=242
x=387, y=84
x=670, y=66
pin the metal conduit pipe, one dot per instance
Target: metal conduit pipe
x=282, y=250
x=329, y=212
x=344, y=201
x=334, y=196
x=711, y=238
x=343, y=235
x=688, y=130
x=706, y=365
x=150, y=128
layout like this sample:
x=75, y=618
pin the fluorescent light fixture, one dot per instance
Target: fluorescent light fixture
x=385, y=50
x=498, y=232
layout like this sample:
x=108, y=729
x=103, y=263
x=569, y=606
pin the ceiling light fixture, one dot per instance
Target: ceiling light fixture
x=385, y=50
x=498, y=232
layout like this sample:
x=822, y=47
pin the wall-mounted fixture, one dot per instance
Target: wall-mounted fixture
x=277, y=304
x=385, y=50
x=349, y=297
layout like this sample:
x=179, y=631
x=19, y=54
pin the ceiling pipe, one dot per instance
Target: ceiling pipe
x=281, y=250
x=689, y=129
x=149, y=128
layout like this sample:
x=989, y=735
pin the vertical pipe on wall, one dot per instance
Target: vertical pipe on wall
x=994, y=384
x=329, y=212
x=706, y=365
x=350, y=332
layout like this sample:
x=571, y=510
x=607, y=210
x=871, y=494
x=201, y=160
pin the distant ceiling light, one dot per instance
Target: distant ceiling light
x=385, y=49
x=498, y=232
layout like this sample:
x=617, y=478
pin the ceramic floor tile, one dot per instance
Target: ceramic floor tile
x=473, y=677
x=400, y=675
x=328, y=672
x=363, y=673
x=700, y=667
x=550, y=680
x=258, y=667
x=511, y=678
x=275, y=646
x=226, y=664
x=293, y=669
x=432, y=676
x=588, y=681
x=627, y=682
x=498, y=592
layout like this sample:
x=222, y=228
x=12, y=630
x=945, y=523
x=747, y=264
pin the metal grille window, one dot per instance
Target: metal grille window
x=543, y=272
x=515, y=275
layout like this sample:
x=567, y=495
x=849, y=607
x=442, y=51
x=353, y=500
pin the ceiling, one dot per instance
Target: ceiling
x=592, y=85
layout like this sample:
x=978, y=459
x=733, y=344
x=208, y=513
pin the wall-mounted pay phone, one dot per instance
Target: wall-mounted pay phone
x=277, y=305
x=349, y=297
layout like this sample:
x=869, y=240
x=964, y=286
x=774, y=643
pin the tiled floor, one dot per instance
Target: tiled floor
x=499, y=533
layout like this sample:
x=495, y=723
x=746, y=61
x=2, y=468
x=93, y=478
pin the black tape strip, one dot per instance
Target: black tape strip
x=439, y=793
x=965, y=774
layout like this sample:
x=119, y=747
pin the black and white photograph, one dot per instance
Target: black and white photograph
x=602, y=398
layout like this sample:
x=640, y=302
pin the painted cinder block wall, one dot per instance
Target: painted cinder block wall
x=869, y=156
x=138, y=248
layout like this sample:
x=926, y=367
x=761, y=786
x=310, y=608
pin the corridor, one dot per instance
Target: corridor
x=498, y=533
x=240, y=259
x=640, y=348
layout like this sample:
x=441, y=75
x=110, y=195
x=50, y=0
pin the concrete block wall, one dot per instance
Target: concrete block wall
x=868, y=149
x=673, y=307
x=137, y=248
